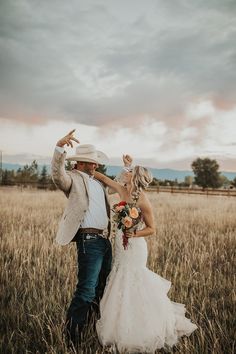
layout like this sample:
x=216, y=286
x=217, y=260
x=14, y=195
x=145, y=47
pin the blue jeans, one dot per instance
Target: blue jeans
x=94, y=265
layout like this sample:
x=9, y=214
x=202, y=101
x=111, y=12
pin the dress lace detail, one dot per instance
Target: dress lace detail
x=136, y=314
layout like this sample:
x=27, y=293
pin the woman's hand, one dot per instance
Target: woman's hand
x=127, y=159
x=67, y=139
x=130, y=233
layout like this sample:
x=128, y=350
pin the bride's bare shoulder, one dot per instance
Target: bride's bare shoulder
x=143, y=199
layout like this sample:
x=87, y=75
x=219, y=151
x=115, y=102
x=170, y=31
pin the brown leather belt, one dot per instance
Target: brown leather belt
x=90, y=230
x=87, y=231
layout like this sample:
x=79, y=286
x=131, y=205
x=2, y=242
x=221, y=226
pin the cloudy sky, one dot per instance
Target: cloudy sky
x=153, y=78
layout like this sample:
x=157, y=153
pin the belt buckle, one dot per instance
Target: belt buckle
x=89, y=237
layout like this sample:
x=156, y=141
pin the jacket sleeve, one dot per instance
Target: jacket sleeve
x=59, y=175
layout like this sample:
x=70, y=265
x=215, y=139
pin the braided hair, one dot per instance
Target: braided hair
x=141, y=178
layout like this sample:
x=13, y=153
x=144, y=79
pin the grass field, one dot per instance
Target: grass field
x=194, y=248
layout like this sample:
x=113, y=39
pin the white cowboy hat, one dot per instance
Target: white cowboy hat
x=88, y=153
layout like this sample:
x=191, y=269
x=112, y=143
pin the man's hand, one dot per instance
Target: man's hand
x=67, y=140
x=127, y=159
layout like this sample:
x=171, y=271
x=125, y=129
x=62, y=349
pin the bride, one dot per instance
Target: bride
x=136, y=314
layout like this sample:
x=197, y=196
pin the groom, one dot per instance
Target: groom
x=86, y=222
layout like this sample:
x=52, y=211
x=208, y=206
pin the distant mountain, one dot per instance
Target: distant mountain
x=167, y=173
x=16, y=166
x=10, y=166
x=162, y=174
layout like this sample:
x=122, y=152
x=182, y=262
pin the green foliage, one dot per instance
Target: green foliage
x=8, y=178
x=43, y=175
x=206, y=173
x=234, y=182
x=27, y=174
x=44, y=179
x=167, y=182
x=224, y=181
x=155, y=182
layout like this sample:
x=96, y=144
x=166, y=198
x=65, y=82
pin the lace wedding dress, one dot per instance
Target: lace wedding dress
x=136, y=314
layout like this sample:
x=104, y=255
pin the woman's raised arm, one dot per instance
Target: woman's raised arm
x=109, y=182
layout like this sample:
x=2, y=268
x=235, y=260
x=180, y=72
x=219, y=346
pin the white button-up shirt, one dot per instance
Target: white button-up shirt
x=96, y=215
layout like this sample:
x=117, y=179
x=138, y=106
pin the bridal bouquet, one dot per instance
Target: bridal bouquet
x=127, y=216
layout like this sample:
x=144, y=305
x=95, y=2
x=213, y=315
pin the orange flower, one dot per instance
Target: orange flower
x=133, y=213
x=127, y=221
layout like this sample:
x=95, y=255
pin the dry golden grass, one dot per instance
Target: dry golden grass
x=194, y=248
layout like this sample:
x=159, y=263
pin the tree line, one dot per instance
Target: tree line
x=28, y=175
x=31, y=175
x=206, y=175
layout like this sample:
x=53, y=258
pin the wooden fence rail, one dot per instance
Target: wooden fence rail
x=157, y=189
x=206, y=191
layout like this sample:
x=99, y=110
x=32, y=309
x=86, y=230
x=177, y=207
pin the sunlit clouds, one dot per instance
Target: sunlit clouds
x=154, y=79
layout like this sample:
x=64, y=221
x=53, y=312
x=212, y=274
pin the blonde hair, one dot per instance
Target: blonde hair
x=141, y=178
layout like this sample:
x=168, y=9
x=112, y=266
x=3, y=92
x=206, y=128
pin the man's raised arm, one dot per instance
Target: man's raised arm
x=59, y=175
